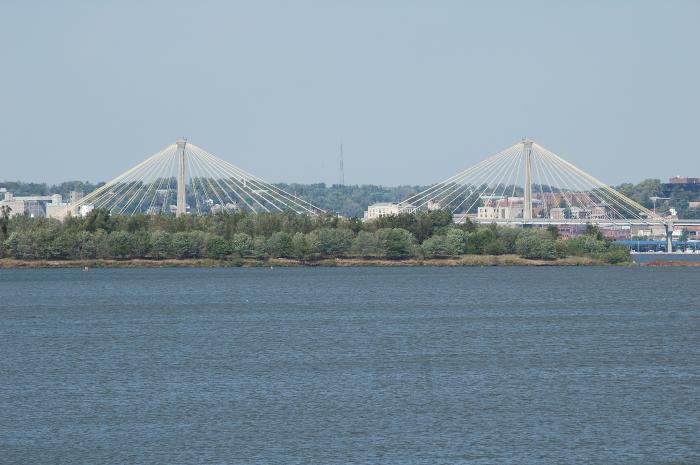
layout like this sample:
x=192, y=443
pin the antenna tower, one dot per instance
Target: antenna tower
x=342, y=167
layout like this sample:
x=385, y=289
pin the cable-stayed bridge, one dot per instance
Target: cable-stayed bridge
x=524, y=184
x=183, y=178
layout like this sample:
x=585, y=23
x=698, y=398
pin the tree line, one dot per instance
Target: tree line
x=240, y=235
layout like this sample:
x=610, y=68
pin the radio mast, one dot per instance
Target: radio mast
x=342, y=168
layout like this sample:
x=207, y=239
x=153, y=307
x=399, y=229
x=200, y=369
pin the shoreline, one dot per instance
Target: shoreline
x=464, y=260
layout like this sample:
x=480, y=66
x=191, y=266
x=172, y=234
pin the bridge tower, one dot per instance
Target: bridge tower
x=181, y=198
x=669, y=236
x=527, y=153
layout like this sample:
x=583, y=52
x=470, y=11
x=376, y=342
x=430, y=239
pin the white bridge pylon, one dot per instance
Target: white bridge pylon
x=526, y=183
x=183, y=178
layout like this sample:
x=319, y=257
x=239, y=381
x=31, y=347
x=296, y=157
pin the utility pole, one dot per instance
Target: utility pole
x=181, y=198
x=527, y=153
x=655, y=198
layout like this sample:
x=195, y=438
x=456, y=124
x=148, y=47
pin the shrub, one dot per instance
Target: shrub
x=121, y=244
x=188, y=244
x=435, y=247
x=217, y=247
x=397, y=243
x=535, y=245
x=330, y=242
x=279, y=245
x=366, y=244
x=161, y=244
x=495, y=247
x=301, y=248
x=242, y=244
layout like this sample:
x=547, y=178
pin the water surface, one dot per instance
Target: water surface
x=350, y=365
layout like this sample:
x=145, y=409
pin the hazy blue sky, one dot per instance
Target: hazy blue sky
x=415, y=90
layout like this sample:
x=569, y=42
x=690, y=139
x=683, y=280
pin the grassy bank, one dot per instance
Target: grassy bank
x=464, y=260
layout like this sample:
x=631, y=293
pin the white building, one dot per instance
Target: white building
x=377, y=210
x=501, y=209
x=85, y=209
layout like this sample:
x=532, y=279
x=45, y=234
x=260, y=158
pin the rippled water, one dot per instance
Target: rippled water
x=361, y=365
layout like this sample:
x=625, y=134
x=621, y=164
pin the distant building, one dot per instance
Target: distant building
x=557, y=213
x=85, y=209
x=501, y=209
x=579, y=213
x=683, y=180
x=32, y=205
x=378, y=210
x=74, y=196
x=616, y=233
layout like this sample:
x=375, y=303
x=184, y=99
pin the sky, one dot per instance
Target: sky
x=414, y=90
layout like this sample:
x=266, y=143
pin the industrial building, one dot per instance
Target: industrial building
x=36, y=206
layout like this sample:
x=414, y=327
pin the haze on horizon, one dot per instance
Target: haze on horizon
x=415, y=90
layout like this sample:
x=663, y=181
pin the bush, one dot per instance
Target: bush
x=327, y=243
x=279, y=245
x=536, y=245
x=455, y=241
x=366, y=245
x=242, y=244
x=397, y=243
x=495, y=247
x=188, y=244
x=121, y=244
x=217, y=247
x=477, y=240
x=301, y=248
x=435, y=247
x=161, y=244
x=617, y=254
x=34, y=244
x=259, y=249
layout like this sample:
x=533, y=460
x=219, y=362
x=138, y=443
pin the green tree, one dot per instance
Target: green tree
x=217, y=247
x=330, y=242
x=435, y=247
x=242, y=244
x=397, y=243
x=121, y=244
x=98, y=219
x=367, y=245
x=536, y=245
x=593, y=231
x=259, y=249
x=161, y=244
x=455, y=241
x=301, y=248
x=188, y=244
x=279, y=245
x=553, y=231
x=141, y=243
x=4, y=221
x=495, y=247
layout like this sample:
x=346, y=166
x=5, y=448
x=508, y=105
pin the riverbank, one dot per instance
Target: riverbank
x=464, y=260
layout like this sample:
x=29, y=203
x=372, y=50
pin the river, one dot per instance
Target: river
x=350, y=365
